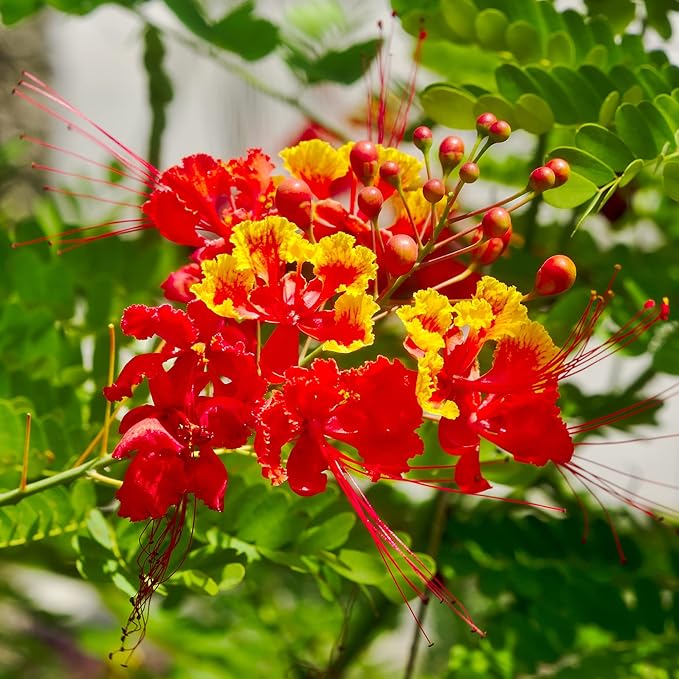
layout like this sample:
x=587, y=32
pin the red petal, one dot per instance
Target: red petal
x=138, y=367
x=147, y=436
x=153, y=482
x=280, y=352
x=207, y=478
x=305, y=467
x=468, y=473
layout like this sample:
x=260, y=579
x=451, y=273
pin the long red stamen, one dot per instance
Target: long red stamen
x=392, y=549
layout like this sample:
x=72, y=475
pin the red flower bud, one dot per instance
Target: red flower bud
x=422, y=138
x=390, y=172
x=496, y=223
x=489, y=251
x=363, y=160
x=469, y=173
x=433, y=190
x=400, y=254
x=293, y=201
x=370, y=201
x=483, y=123
x=541, y=179
x=561, y=170
x=451, y=151
x=499, y=131
x=555, y=276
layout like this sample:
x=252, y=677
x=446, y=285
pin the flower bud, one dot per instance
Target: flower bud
x=483, y=123
x=499, y=131
x=489, y=251
x=451, y=151
x=561, y=170
x=293, y=201
x=422, y=137
x=541, y=179
x=390, y=172
x=433, y=190
x=496, y=223
x=400, y=254
x=363, y=160
x=370, y=201
x=555, y=276
x=469, y=173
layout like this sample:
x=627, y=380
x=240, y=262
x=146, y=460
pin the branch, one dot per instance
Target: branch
x=11, y=497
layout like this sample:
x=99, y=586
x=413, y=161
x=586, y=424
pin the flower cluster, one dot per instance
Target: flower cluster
x=288, y=273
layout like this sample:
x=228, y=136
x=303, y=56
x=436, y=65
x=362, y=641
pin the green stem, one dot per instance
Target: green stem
x=531, y=213
x=435, y=535
x=246, y=75
x=13, y=496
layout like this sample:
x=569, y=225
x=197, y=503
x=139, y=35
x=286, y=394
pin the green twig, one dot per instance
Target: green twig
x=11, y=497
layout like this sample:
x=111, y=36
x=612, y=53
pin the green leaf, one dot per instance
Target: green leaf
x=585, y=164
x=620, y=13
x=100, y=530
x=560, y=48
x=232, y=576
x=513, y=81
x=497, y=105
x=245, y=34
x=195, y=581
x=329, y=535
x=460, y=16
x=608, y=108
x=523, y=40
x=633, y=128
x=12, y=11
x=670, y=178
x=533, y=114
x=345, y=66
x=490, y=26
x=449, y=106
x=365, y=568
x=602, y=143
x=669, y=108
x=662, y=134
x=576, y=191
x=556, y=96
x=631, y=171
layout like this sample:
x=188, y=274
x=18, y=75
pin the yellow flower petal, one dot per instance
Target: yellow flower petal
x=317, y=163
x=492, y=299
x=428, y=368
x=427, y=319
x=264, y=246
x=342, y=265
x=353, y=321
x=224, y=288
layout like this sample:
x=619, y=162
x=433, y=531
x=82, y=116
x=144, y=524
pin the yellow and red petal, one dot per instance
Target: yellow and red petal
x=428, y=368
x=427, y=320
x=350, y=327
x=342, y=265
x=265, y=246
x=521, y=362
x=505, y=302
x=317, y=163
x=225, y=288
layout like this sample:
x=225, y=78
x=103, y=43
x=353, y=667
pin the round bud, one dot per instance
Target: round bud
x=363, y=160
x=469, y=173
x=370, y=201
x=489, y=251
x=390, y=172
x=541, y=179
x=422, y=138
x=496, y=223
x=499, y=131
x=400, y=254
x=483, y=123
x=561, y=170
x=555, y=276
x=451, y=151
x=293, y=201
x=433, y=190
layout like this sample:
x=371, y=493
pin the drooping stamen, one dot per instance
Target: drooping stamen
x=158, y=542
x=392, y=549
